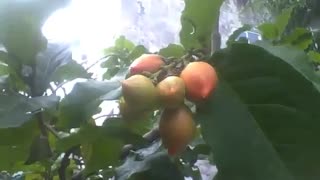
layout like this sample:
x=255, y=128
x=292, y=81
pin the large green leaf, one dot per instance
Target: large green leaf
x=240, y=149
x=15, y=110
x=281, y=92
x=172, y=50
x=83, y=101
x=115, y=128
x=69, y=72
x=10, y=155
x=21, y=23
x=198, y=19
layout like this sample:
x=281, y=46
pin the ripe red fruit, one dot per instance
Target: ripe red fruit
x=171, y=91
x=146, y=62
x=200, y=79
x=177, y=128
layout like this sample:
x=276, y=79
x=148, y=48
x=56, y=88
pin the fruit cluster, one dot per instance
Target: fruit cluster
x=141, y=95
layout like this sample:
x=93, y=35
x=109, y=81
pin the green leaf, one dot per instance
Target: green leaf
x=83, y=101
x=110, y=62
x=275, y=30
x=110, y=73
x=300, y=38
x=241, y=151
x=15, y=110
x=283, y=19
x=148, y=164
x=69, y=72
x=232, y=38
x=280, y=89
x=21, y=24
x=123, y=43
x=269, y=31
x=104, y=152
x=172, y=50
x=137, y=52
x=89, y=134
x=198, y=20
x=314, y=56
x=10, y=155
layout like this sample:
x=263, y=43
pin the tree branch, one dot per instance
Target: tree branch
x=65, y=163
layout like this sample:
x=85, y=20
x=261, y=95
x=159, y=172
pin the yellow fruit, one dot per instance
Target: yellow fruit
x=200, y=79
x=146, y=62
x=171, y=91
x=177, y=128
x=140, y=93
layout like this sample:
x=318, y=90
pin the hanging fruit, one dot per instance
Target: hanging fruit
x=146, y=62
x=171, y=91
x=200, y=79
x=177, y=128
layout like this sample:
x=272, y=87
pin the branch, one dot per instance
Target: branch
x=52, y=130
x=65, y=163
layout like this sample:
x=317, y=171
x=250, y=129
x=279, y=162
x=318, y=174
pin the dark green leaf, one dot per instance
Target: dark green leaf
x=82, y=102
x=198, y=20
x=15, y=110
x=281, y=90
x=152, y=165
x=48, y=61
x=172, y=50
x=241, y=151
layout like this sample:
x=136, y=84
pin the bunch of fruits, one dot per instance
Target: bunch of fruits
x=149, y=86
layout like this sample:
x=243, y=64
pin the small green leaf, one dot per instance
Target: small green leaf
x=300, y=38
x=283, y=19
x=198, y=20
x=172, y=50
x=82, y=102
x=314, y=56
x=123, y=43
x=269, y=31
x=110, y=73
x=137, y=52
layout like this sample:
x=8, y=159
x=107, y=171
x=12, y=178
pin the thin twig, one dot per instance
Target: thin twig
x=53, y=131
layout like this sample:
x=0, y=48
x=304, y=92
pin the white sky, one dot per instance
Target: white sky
x=92, y=26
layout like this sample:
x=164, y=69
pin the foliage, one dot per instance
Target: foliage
x=261, y=121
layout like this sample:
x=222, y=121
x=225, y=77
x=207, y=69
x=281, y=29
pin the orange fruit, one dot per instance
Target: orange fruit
x=200, y=79
x=146, y=62
x=171, y=91
x=177, y=128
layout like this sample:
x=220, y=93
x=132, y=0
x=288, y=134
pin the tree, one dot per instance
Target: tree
x=260, y=122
